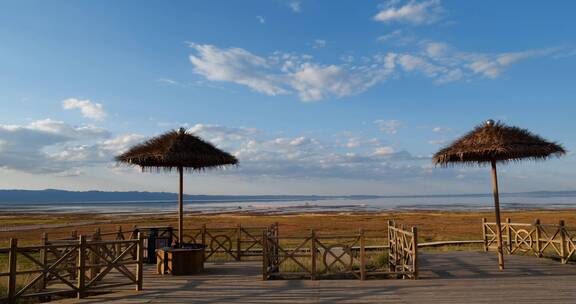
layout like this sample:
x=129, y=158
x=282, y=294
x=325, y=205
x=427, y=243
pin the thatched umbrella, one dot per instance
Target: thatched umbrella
x=492, y=143
x=180, y=151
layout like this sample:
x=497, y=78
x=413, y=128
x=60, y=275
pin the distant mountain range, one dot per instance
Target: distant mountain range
x=53, y=195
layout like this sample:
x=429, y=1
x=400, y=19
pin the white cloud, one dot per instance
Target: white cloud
x=88, y=108
x=219, y=135
x=71, y=173
x=444, y=63
x=295, y=6
x=288, y=73
x=353, y=142
x=30, y=147
x=383, y=151
x=441, y=130
x=491, y=66
x=304, y=156
x=236, y=65
x=439, y=142
x=53, y=147
x=387, y=37
x=436, y=49
x=347, y=58
x=260, y=19
x=388, y=126
x=102, y=151
x=411, y=12
x=319, y=43
x=120, y=143
x=168, y=81
x=60, y=128
x=315, y=82
x=411, y=63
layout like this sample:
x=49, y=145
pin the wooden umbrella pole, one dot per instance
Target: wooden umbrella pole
x=497, y=211
x=181, y=208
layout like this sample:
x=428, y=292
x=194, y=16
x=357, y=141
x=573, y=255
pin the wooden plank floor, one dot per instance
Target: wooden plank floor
x=453, y=277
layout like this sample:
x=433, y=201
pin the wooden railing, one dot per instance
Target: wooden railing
x=403, y=253
x=315, y=256
x=222, y=243
x=70, y=267
x=249, y=246
x=541, y=240
x=225, y=243
x=116, y=235
x=312, y=256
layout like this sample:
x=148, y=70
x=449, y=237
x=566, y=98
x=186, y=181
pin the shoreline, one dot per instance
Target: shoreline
x=282, y=210
x=272, y=211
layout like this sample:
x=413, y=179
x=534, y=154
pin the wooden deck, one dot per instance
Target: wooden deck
x=453, y=277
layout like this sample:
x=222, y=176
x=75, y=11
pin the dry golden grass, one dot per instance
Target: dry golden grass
x=432, y=225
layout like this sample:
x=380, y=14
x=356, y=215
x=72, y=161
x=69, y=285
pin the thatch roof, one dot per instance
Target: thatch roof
x=175, y=149
x=499, y=142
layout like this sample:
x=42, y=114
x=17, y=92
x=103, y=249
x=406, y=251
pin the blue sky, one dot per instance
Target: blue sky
x=313, y=97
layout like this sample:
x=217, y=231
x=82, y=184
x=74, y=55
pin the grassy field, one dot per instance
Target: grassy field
x=432, y=225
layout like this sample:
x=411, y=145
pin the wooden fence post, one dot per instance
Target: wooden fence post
x=313, y=254
x=562, y=242
x=362, y=255
x=397, y=248
x=81, y=267
x=276, y=249
x=119, y=236
x=119, y=233
x=484, y=234
x=415, y=253
x=44, y=260
x=538, y=243
x=203, y=234
x=264, y=255
x=276, y=228
x=133, y=236
x=12, y=260
x=171, y=235
x=509, y=235
x=94, y=259
x=139, y=262
x=97, y=234
x=390, y=248
x=239, y=242
x=74, y=270
x=134, y=232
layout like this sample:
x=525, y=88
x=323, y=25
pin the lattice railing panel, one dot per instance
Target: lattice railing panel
x=336, y=256
x=70, y=267
x=403, y=252
x=532, y=239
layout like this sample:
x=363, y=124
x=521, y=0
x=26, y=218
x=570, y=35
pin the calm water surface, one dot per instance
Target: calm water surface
x=474, y=202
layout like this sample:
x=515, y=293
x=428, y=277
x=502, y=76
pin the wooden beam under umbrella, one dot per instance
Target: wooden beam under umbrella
x=492, y=143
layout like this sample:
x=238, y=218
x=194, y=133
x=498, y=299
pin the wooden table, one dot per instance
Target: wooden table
x=180, y=261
